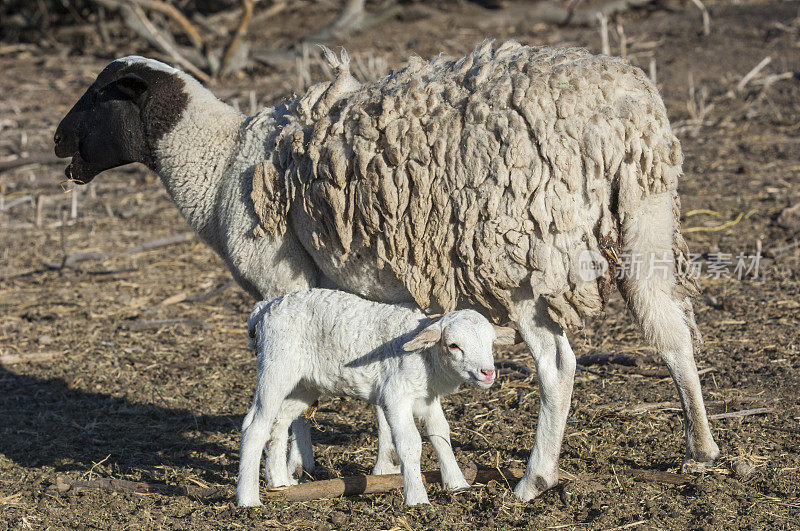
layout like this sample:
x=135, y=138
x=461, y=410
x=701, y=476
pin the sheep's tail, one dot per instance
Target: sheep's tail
x=256, y=316
x=656, y=280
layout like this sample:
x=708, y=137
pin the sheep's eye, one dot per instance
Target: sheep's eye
x=453, y=346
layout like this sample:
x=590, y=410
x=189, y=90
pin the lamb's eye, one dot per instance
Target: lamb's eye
x=453, y=346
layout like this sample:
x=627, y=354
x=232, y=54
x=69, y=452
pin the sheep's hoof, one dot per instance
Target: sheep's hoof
x=691, y=466
x=698, y=461
x=530, y=487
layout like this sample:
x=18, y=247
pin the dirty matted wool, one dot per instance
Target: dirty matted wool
x=470, y=177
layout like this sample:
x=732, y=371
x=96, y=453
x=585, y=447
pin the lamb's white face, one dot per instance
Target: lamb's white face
x=466, y=345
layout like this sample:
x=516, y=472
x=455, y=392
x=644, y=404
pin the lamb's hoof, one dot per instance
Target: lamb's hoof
x=248, y=502
x=411, y=501
x=457, y=486
x=273, y=484
x=382, y=470
x=530, y=487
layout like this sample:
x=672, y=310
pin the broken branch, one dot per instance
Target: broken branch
x=160, y=242
x=359, y=485
x=171, y=11
x=658, y=476
x=10, y=359
x=26, y=161
x=742, y=413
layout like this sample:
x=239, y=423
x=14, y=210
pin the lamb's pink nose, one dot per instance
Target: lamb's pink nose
x=488, y=374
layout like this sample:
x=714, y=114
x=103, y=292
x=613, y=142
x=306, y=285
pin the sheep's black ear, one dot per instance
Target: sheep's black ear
x=132, y=86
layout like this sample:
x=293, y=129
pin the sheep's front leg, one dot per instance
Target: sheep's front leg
x=555, y=366
x=438, y=429
x=408, y=444
x=386, y=463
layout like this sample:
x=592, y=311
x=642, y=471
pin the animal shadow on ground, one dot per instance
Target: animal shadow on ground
x=46, y=423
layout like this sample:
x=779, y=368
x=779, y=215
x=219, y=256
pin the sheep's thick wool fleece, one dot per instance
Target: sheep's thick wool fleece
x=470, y=177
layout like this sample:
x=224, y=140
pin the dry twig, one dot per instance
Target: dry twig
x=743, y=413
x=238, y=35
x=657, y=476
x=10, y=359
x=26, y=161
x=706, y=16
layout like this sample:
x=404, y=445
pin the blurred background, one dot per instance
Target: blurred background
x=123, y=350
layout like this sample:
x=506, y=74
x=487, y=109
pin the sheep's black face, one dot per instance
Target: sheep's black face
x=108, y=126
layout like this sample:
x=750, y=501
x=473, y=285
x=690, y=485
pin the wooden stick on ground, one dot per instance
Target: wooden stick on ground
x=742, y=413
x=730, y=403
x=10, y=359
x=601, y=359
x=43, y=158
x=657, y=476
x=515, y=366
x=160, y=242
x=358, y=485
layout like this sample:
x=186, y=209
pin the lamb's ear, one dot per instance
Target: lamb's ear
x=504, y=335
x=424, y=339
x=132, y=86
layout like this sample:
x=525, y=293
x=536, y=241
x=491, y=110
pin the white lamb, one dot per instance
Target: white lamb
x=324, y=342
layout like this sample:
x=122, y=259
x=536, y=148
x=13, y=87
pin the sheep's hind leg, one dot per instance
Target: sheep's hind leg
x=555, y=366
x=438, y=430
x=301, y=453
x=276, y=469
x=387, y=462
x=273, y=387
x=667, y=319
x=255, y=434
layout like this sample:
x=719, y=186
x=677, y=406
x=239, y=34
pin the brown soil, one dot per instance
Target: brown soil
x=165, y=405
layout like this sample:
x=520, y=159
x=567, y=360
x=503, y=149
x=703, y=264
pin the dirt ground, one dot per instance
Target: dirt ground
x=164, y=404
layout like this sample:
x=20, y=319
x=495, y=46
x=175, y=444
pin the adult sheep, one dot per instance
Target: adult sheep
x=483, y=182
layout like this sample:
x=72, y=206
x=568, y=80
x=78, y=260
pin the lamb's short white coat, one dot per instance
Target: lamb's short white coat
x=324, y=342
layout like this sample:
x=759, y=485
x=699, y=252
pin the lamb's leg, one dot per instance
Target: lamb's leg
x=276, y=470
x=387, y=462
x=273, y=387
x=555, y=366
x=301, y=453
x=408, y=443
x=255, y=434
x=667, y=319
x=438, y=430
